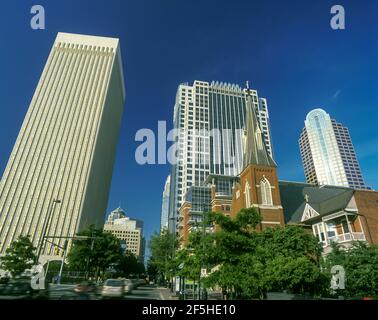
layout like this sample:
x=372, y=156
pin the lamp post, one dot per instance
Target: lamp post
x=204, y=216
x=45, y=226
x=173, y=251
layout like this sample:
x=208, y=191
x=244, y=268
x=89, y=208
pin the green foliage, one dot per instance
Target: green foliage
x=54, y=266
x=247, y=264
x=295, y=274
x=247, y=219
x=360, y=263
x=19, y=257
x=152, y=270
x=129, y=264
x=190, y=264
x=163, y=247
x=94, y=255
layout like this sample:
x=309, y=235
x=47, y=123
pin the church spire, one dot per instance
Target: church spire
x=255, y=152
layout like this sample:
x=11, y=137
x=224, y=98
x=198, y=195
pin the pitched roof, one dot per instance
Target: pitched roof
x=323, y=199
x=254, y=147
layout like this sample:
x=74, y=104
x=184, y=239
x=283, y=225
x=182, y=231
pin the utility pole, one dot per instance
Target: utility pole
x=65, y=246
x=45, y=226
x=204, y=216
x=92, y=246
x=173, y=253
x=64, y=258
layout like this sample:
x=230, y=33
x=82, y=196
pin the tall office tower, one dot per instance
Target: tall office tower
x=165, y=205
x=67, y=143
x=327, y=152
x=211, y=119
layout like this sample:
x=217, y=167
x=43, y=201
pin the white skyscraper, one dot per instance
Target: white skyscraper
x=165, y=205
x=66, y=146
x=199, y=111
x=327, y=152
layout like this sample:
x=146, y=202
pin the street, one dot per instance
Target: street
x=144, y=292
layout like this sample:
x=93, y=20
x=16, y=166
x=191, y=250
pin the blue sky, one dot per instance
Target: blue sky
x=285, y=48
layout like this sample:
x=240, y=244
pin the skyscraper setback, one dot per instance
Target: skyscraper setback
x=211, y=121
x=66, y=147
x=327, y=152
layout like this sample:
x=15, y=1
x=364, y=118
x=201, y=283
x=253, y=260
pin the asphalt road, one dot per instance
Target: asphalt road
x=65, y=292
x=144, y=293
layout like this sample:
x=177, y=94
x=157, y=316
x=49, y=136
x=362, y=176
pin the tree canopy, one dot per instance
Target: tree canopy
x=95, y=254
x=247, y=264
x=360, y=263
x=20, y=256
x=163, y=247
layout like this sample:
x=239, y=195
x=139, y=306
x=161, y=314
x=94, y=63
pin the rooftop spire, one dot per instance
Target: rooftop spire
x=254, y=146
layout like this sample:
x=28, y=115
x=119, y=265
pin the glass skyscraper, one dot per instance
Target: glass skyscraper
x=210, y=118
x=327, y=152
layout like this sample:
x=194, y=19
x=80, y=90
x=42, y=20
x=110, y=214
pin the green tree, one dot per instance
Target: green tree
x=19, y=257
x=360, y=263
x=247, y=264
x=129, y=264
x=152, y=270
x=163, y=247
x=232, y=253
x=97, y=253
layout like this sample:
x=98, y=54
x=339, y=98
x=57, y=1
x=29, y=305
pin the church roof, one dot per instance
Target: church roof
x=324, y=199
x=255, y=152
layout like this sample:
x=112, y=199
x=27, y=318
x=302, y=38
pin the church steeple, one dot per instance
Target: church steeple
x=255, y=152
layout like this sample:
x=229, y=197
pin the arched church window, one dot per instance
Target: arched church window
x=266, y=192
x=247, y=194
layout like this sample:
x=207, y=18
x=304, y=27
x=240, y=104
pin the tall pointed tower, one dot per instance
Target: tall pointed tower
x=258, y=185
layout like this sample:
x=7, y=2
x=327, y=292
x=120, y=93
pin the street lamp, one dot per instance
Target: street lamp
x=204, y=217
x=45, y=226
x=173, y=251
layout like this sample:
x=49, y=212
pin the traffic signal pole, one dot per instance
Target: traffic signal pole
x=64, y=258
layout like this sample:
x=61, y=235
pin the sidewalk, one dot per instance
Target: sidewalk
x=166, y=294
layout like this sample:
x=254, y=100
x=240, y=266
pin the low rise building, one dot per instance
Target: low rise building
x=129, y=231
x=334, y=214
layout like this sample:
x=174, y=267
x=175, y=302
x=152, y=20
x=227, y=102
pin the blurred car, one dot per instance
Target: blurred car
x=17, y=289
x=138, y=282
x=86, y=289
x=113, y=288
x=135, y=282
x=128, y=286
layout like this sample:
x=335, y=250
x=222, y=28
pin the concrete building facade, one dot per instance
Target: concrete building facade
x=128, y=230
x=66, y=147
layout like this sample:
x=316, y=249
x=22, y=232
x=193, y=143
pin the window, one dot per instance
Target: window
x=266, y=192
x=247, y=195
x=331, y=230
